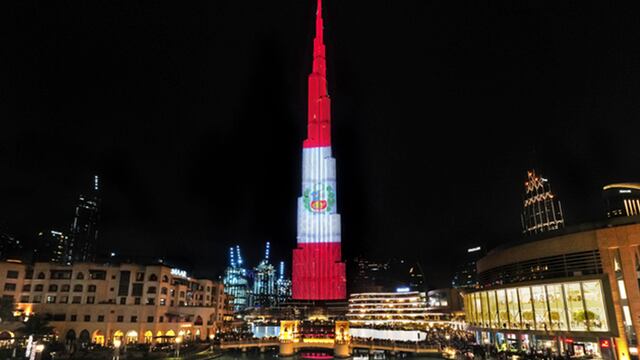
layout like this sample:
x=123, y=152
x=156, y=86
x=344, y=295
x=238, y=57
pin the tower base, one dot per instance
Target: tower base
x=318, y=272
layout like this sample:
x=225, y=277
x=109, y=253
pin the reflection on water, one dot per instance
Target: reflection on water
x=309, y=355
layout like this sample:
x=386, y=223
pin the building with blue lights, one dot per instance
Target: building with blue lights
x=236, y=281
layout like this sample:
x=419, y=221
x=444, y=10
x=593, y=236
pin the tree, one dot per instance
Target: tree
x=7, y=307
x=36, y=326
x=582, y=315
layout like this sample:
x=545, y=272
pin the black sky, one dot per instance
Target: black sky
x=193, y=114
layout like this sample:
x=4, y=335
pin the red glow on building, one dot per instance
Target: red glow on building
x=319, y=113
x=318, y=271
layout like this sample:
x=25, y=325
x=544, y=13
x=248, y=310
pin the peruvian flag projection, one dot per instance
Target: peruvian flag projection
x=318, y=270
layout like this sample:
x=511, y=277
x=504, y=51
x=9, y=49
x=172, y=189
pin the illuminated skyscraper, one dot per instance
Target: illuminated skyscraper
x=542, y=210
x=54, y=246
x=283, y=285
x=621, y=199
x=264, y=282
x=318, y=270
x=84, y=230
x=235, y=281
x=467, y=275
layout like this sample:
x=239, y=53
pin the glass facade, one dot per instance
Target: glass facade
x=569, y=306
x=515, y=322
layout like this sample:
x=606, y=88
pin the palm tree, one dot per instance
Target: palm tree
x=37, y=326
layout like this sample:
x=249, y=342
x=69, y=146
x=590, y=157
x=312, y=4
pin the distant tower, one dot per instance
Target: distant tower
x=283, y=285
x=264, y=283
x=621, y=200
x=542, y=211
x=318, y=270
x=466, y=277
x=235, y=280
x=55, y=247
x=84, y=230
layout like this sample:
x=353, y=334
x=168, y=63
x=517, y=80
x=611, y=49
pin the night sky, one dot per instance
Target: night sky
x=193, y=114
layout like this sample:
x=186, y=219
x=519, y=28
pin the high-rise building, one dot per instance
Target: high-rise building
x=55, y=247
x=318, y=270
x=264, y=282
x=236, y=281
x=10, y=247
x=283, y=285
x=467, y=275
x=368, y=276
x=385, y=276
x=621, y=199
x=542, y=210
x=84, y=230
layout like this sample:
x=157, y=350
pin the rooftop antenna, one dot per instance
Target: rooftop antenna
x=238, y=253
x=266, y=252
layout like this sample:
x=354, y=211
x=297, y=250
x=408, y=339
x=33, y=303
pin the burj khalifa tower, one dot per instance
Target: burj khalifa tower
x=318, y=270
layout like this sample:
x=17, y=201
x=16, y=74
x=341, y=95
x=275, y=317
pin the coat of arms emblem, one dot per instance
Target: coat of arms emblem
x=319, y=198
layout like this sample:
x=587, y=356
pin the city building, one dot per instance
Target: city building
x=574, y=292
x=542, y=211
x=369, y=276
x=283, y=285
x=54, y=246
x=10, y=247
x=389, y=309
x=236, y=281
x=385, y=276
x=264, y=282
x=444, y=300
x=466, y=276
x=621, y=199
x=318, y=270
x=97, y=303
x=401, y=315
x=84, y=230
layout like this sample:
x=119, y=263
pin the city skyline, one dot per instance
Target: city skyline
x=182, y=121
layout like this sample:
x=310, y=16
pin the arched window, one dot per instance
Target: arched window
x=165, y=278
x=198, y=320
x=80, y=276
x=163, y=291
x=77, y=288
x=40, y=275
x=39, y=287
x=151, y=290
x=153, y=277
x=53, y=287
x=65, y=288
x=91, y=288
x=84, y=337
x=71, y=336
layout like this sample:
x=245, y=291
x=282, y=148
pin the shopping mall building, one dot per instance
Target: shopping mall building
x=97, y=303
x=575, y=291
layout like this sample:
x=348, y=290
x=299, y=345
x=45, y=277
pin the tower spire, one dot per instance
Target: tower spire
x=319, y=24
x=319, y=115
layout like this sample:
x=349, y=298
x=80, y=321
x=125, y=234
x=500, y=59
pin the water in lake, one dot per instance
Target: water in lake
x=312, y=355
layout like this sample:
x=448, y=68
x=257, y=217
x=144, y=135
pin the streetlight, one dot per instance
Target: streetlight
x=211, y=337
x=116, y=349
x=178, y=341
x=39, y=350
